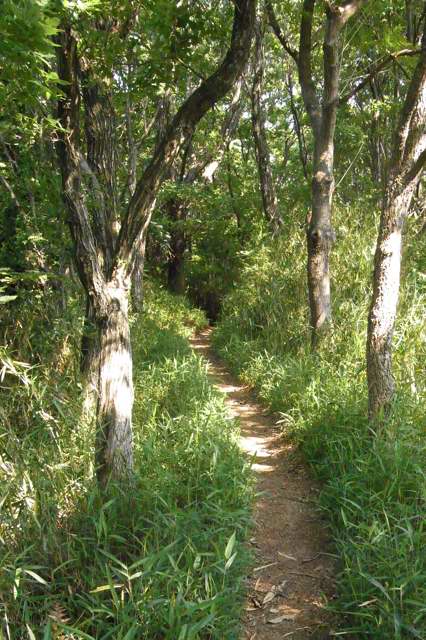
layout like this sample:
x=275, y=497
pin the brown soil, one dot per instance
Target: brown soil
x=293, y=574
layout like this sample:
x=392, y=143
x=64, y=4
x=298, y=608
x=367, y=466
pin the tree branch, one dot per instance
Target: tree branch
x=206, y=167
x=278, y=32
x=89, y=254
x=303, y=154
x=12, y=194
x=415, y=170
x=375, y=69
x=136, y=221
x=307, y=85
x=410, y=129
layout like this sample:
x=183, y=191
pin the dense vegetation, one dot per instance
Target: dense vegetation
x=261, y=164
x=374, y=483
x=161, y=561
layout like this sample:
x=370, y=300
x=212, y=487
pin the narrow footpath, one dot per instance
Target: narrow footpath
x=292, y=578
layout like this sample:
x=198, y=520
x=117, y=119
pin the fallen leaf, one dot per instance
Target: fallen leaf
x=289, y=612
x=285, y=616
x=277, y=620
x=265, y=566
x=279, y=589
x=269, y=596
x=284, y=555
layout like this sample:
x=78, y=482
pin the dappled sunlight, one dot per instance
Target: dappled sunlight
x=228, y=388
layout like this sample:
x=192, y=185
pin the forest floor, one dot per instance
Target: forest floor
x=293, y=574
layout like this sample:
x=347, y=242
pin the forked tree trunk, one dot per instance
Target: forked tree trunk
x=322, y=113
x=105, y=263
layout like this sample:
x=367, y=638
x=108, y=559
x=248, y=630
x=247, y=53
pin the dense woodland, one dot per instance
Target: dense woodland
x=165, y=164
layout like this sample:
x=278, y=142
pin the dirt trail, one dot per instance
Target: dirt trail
x=293, y=574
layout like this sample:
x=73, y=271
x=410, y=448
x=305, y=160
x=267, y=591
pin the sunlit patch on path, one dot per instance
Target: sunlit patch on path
x=293, y=574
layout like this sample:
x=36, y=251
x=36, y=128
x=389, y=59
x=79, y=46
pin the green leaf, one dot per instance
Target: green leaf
x=230, y=561
x=200, y=625
x=30, y=633
x=230, y=546
x=106, y=587
x=35, y=575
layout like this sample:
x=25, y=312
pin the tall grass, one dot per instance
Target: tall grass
x=374, y=484
x=163, y=559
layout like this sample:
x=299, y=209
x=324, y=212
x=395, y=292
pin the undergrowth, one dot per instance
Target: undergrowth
x=161, y=560
x=374, y=484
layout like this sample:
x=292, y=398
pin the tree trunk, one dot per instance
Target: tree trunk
x=303, y=153
x=322, y=113
x=105, y=262
x=381, y=384
x=234, y=204
x=137, y=284
x=88, y=339
x=320, y=236
x=176, y=265
x=114, y=449
x=406, y=165
x=89, y=361
x=266, y=180
x=383, y=310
